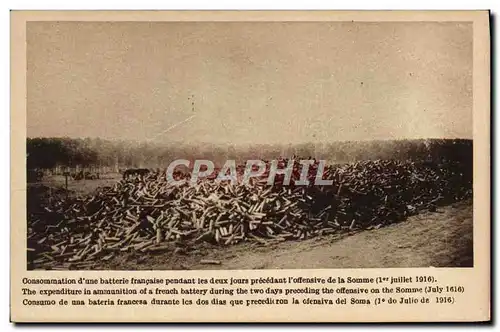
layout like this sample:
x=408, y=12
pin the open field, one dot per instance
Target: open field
x=81, y=187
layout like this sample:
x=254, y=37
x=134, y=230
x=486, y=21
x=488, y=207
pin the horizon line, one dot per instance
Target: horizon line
x=177, y=142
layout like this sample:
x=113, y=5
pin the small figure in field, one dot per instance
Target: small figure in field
x=135, y=172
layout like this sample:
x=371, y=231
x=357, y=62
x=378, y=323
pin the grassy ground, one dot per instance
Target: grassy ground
x=81, y=187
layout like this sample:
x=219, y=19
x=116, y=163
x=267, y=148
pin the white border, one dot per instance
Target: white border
x=185, y=4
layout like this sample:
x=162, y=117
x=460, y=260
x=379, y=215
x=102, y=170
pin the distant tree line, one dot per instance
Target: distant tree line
x=47, y=153
x=51, y=152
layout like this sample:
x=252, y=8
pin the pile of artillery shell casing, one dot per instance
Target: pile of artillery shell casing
x=147, y=215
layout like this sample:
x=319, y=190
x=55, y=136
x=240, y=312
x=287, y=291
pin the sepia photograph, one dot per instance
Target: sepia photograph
x=249, y=145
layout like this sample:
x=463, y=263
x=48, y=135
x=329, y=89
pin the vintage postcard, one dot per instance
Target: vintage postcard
x=250, y=166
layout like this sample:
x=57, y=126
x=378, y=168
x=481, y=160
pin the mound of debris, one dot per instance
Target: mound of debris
x=148, y=215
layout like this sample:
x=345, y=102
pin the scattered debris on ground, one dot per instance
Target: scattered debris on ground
x=151, y=215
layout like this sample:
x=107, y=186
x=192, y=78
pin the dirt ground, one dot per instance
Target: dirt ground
x=438, y=239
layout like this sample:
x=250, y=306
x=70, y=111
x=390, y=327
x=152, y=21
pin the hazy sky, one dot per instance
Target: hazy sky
x=252, y=82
